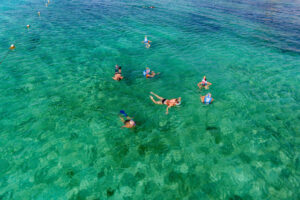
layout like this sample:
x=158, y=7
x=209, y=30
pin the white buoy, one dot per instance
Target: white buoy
x=12, y=47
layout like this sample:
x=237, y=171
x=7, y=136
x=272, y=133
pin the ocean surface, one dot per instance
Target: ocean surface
x=60, y=133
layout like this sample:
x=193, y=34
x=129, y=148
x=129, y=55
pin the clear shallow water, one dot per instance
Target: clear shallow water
x=59, y=126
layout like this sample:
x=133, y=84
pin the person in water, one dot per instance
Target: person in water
x=204, y=83
x=148, y=73
x=207, y=99
x=148, y=7
x=118, y=73
x=146, y=41
x=167, y=102
x=128, y=122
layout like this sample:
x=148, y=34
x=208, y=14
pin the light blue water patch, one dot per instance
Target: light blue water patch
x=61, y=137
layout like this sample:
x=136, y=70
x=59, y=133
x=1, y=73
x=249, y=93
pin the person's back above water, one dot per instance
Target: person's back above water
x=118, y=73
x=204, y=83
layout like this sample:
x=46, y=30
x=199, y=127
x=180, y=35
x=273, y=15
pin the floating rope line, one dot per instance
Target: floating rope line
x=4, y=57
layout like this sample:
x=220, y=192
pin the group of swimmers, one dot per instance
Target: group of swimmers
x=128, y=121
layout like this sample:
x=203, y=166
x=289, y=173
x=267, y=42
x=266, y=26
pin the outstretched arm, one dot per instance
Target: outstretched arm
x=168, y=109
x=152, y=74
x=202, y=99
x=199, y=85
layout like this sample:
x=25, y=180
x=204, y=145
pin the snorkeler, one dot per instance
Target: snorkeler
x=204, y=83
x=146, y=42
x=168, y=103
x=118, y=73
x=148, y=73
x=207, y=99
x=128, y=122
x=148, y=7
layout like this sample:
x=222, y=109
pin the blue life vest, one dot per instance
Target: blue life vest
x=207, y=99
x=145, y=72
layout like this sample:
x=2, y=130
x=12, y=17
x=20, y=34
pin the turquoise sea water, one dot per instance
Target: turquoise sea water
x=60, y=135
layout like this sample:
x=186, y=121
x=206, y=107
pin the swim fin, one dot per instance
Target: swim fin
x=123, y=113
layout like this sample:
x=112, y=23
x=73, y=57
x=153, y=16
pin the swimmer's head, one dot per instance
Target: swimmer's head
x=204, y=78
x=132, y=122
x=12, y=47
x=39, y=13
x=28, y=26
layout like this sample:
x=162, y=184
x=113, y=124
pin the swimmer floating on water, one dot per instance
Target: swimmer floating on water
x=204, y=83
x=146, y=42
x=148, y=73
x=168, y=103
x=128, y=122
x=207, y=99
x=118, y=73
